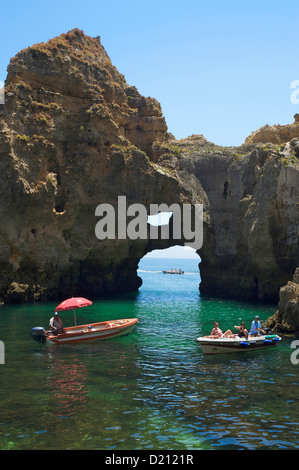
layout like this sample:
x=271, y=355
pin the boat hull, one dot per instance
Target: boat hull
x=93, y=332
x=210, y=345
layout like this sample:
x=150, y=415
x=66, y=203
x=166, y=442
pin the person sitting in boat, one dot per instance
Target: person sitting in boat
x=217, y=332
x=256, y=327
x=56, y=325
x=243, y=333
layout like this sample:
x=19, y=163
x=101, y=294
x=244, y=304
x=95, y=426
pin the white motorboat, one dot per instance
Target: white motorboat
x=88, y=332
x=223, y=345
x=78, y=333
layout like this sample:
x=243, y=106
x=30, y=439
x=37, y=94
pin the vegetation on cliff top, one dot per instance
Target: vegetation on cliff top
x=91, y=51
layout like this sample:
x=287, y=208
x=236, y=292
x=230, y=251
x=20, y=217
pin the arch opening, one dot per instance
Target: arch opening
x=166, y=255
x=173, y=270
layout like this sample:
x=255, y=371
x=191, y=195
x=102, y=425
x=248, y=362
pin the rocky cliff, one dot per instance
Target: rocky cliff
x=74, y=134
x=277, y=134
x=251, y=196
x=286, y=319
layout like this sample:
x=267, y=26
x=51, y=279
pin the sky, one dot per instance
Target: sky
x=183, y=252
x=221, y=68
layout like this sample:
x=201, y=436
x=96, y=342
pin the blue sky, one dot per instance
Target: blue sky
x=221, y=68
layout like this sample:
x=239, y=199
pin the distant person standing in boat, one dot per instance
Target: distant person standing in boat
x=217, y=332
x=56, y=324
x=256, y=327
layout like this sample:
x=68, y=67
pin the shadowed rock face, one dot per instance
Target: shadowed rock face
x=286, y=319
x=250, y=195
x=74, y=134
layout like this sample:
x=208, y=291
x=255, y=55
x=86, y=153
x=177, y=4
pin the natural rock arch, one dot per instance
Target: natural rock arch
x=73, y=137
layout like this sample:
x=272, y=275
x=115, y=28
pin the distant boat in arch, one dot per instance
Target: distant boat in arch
x=174, y=271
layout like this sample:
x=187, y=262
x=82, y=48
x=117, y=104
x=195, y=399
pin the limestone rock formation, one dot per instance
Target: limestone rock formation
x=277, y=134
x=286, y=319
x=74, y=134
x=251, y=196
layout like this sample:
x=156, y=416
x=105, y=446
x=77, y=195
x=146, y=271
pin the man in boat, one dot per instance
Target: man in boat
x=256, y=327
x=56, y=325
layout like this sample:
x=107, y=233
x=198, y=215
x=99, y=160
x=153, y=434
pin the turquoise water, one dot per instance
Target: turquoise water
x=153, y=389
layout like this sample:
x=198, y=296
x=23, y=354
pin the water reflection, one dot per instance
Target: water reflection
x=151, y=390
x=233, y=402
x=66, y=381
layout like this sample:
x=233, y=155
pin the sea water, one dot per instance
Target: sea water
x=153, y=389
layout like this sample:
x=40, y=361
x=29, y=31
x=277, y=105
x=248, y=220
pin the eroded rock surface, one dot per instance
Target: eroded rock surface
x=251, y=196
x=277, y=134
x=74, y=134
x=286, y=318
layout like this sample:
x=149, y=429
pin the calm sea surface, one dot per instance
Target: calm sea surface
x=153, y=389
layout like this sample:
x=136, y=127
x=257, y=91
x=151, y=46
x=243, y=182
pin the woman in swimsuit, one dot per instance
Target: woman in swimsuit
x=217, y=332
x=243, y=333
